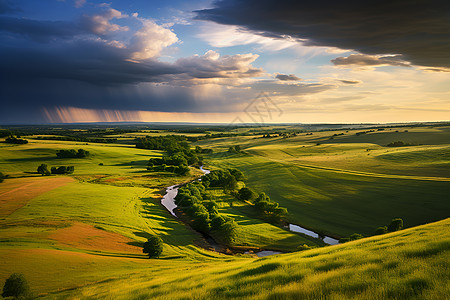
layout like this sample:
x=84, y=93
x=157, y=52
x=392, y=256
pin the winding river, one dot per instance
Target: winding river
x=168, y=201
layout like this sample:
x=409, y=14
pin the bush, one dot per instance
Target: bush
x=396, y=224
x=43, y=170
x=353, y=237
x=16, y=286
x=381, y=230
x=153, y=246
x=246, y=194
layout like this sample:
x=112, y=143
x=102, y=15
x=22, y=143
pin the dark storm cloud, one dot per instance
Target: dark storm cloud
x=7, y=7
x=284, y=77
x=91, y=61
x=40, y=31
x=57, y=64
x=419, y=29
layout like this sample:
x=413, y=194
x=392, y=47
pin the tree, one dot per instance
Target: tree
x=246, y=194
x=230, y=183
x=2, y=176
x=396, y=224
x=153, y=246
x=237, y=174
x=16, y=286
x=43, y=170
x=182, y=170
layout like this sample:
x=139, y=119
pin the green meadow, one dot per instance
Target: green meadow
x=80, y=236
x=339, y=188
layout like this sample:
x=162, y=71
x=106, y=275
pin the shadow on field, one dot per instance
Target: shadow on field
x=133, y=163
x=32, y=159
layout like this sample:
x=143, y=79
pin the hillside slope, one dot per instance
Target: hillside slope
x=411, y=263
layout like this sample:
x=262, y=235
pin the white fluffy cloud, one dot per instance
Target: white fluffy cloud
x=150, y=40
x=100, y=23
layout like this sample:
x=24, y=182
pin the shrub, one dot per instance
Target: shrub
x=153, y=246
x=353, y=237
x=15, y=286
x=246, y=194
x=381, y=230
x=396, y=224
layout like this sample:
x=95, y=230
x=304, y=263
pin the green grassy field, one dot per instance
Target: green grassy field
x=92, y=227
x=409, y=264
x=80, y=236
x=341, y=188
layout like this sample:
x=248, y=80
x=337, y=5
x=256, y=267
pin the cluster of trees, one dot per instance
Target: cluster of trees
x=194, y=200
x=43, y=170
x=15, y=140
x=153, y=247
x=285, y=135
x=169, y=143
x=268, y=208
x=63, y=170
x=399, y=144
x=395, y=225
x=212, y=136
x=226, y=179
x=179, y=153
x=176, y=163
x=72, y=153
x=201, y=150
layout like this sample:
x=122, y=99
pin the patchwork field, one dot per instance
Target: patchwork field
x=341, y=188
x=80, y=236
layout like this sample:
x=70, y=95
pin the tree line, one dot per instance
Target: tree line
x=395, y=225
x=15, y=140
x=43, y=170
x=72, y=153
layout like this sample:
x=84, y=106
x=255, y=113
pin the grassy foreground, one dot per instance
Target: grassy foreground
x=409, y=264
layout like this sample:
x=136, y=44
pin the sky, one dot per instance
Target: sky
x=233, y=61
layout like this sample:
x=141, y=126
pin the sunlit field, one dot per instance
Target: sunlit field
x=81, y=235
